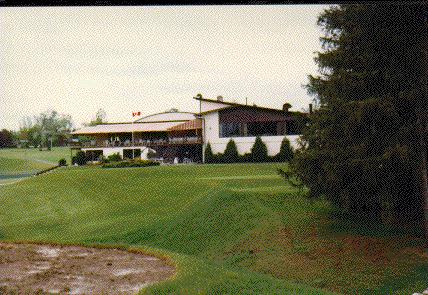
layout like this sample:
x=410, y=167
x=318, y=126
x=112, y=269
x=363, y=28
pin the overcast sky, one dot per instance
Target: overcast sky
x=78, y=59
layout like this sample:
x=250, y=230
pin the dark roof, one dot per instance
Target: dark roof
x=234, y=104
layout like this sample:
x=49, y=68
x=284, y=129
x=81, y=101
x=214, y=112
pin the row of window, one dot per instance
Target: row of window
x=258, y=129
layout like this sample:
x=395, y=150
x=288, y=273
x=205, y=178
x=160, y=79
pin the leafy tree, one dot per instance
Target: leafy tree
x=365, y=148
x=230, y=154
x=46, y=128
x=259, y=152
x=100, y=118
x=7, y=138
x=285, y=152
x=208, y=154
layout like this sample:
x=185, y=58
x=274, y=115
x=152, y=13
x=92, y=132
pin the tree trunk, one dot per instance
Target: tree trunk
x=423, y=172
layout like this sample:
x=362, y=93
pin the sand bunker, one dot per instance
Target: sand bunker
x=43, y=269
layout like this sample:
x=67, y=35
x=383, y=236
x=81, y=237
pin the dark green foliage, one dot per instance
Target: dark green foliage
x=285, y=152
x=208, y=154
x=246, y=158
x=114, y=157
x=259, y=151
x=230, y=154
x=79, y=158
x=151, y=154
x=130, y=163
x=7, y=138
x=362, y=148
x=62, y=162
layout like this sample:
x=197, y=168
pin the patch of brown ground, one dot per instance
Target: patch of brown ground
x=38, y=269
x=342, y=263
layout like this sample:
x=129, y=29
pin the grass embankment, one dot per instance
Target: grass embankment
x=231, y=229
x=34, y=156
x=17, y=163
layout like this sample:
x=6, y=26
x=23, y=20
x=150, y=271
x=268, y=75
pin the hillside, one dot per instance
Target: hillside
x=230, y=228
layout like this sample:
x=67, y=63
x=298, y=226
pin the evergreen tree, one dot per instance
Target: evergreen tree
x=365, y=148
x=259, y=152
x=285, y=152
x=208, y=154
x=230, y=154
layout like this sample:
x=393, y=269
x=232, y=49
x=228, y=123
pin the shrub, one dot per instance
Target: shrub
x=62, y=162
x=285, y=152
x=246, y=158
x=103, y=159
x=151, y=154
x=230, y=153
x=130, y=163
x=259, y=151
x=208, y=154
x=79, y=158
x=114, y=157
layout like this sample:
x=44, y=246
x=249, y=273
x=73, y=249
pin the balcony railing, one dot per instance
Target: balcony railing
x=137, y=142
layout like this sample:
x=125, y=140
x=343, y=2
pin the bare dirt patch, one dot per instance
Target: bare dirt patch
x=41, y=269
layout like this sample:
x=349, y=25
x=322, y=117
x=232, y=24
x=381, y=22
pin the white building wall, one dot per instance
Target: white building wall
x=207, y=106
x=243, y=144
x=107, y=151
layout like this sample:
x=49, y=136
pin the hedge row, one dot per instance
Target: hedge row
x=130, y=163
x=259, y=153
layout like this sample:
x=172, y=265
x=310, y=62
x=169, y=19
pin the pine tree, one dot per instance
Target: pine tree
x=208, y=154
x=366, y=145
x=230, y=154
x=285, y=152
x=259, y=152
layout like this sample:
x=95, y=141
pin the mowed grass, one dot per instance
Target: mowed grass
x=34, y=156
x=20, y=162
x=230, y=229
x=8, y=165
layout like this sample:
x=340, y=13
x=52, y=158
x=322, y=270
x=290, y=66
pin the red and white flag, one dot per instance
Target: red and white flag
x=136, y=114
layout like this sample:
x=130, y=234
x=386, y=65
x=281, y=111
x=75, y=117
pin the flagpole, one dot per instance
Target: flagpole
x=133, y=147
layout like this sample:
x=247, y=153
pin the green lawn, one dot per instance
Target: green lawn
x=34, y=155
x=230, y=229
x=18, y=162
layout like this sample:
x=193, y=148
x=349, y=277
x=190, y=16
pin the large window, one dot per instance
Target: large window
x=262, y=129
x=230, y=129
x=251, y=129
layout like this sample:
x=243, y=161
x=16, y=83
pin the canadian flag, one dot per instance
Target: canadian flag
x=136, y=114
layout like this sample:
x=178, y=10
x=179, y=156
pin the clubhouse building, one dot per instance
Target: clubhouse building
x=182, y=136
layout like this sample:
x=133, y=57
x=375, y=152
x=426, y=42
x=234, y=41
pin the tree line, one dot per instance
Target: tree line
x=45, y=130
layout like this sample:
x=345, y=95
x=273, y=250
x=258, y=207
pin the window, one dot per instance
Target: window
x=230, y=129
x=262, y=128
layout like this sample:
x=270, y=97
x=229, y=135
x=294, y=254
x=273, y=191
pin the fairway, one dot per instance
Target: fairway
x=16, y=164
x=235, y=228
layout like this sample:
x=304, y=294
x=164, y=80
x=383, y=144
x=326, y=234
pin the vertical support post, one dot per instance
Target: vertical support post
x=133, y=150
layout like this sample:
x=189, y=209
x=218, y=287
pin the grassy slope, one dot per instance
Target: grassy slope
x=33, y=154
x=8, y=165
x=17, y=161
x=225, y=225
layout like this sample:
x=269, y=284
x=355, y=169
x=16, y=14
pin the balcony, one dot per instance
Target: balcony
x=138, y=142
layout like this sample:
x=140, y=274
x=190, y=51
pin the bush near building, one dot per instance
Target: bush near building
x=208, y=154
x=130, y=163
x=259, y=151
x=286, y=152
x=231, y=154
x=114, y=158
x=79, y=158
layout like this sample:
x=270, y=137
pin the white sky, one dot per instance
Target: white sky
x=78, y=59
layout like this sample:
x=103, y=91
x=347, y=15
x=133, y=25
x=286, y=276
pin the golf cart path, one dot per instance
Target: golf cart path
x=43, y=269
